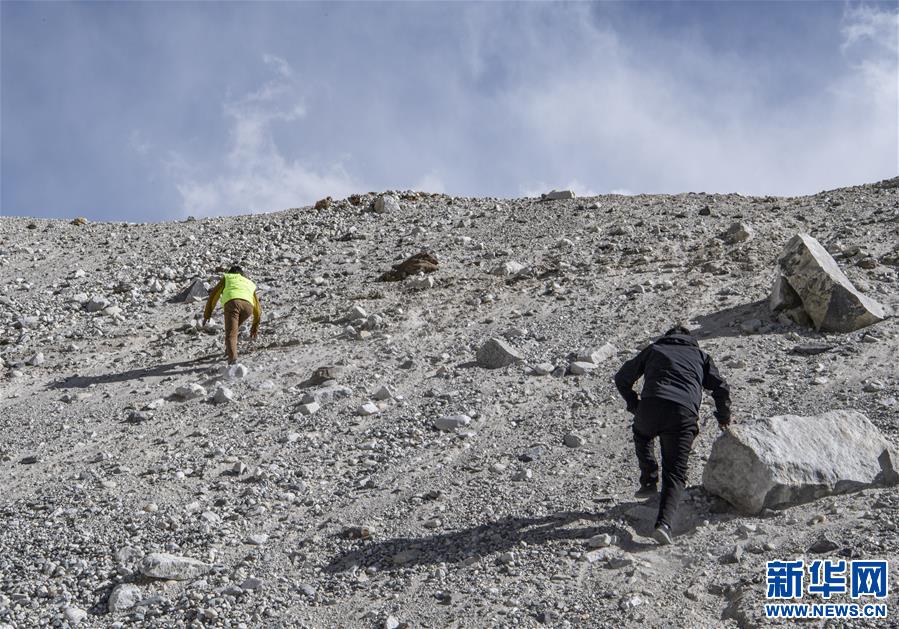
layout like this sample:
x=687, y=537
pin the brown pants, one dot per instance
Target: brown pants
x=236, y=312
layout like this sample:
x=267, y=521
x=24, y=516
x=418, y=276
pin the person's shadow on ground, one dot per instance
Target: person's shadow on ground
x=501, y=535
x=195, y=365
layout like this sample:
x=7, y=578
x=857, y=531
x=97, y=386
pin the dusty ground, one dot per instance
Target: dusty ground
x=97, y=471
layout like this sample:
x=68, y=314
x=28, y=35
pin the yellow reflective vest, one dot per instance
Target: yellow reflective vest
x=237, y=287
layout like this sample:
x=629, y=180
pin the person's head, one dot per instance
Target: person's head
x=678, y=329
x=236, y=269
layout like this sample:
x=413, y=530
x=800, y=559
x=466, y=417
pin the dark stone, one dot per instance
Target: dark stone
x=823, y=545
x=195, y=292
x=531, y=454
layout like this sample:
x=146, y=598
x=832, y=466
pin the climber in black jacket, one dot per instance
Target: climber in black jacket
x=675, y=371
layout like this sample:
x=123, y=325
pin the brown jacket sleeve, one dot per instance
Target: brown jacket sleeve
x=214, y=295
x=257, y=312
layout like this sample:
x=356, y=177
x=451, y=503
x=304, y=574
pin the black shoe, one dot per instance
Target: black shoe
x=646, y=491
x=662, y=535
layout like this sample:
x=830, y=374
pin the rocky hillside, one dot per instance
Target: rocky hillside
x=362, y=468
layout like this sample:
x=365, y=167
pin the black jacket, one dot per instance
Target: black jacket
x=674, y=369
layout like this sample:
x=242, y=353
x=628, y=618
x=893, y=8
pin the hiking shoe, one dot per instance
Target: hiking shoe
x=646, y=491
x=662, y=535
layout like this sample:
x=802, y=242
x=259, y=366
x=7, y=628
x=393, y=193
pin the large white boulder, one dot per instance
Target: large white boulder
x=387, y=204
x=827, y=296
x=789, y=459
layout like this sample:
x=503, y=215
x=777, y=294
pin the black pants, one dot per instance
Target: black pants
x=676, y=428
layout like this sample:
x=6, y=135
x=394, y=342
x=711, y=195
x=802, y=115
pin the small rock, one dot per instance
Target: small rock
x=449, y=423
x=384, y=392
x=74, y=615
x=578, y=368
x=123, y=597
x=523, y=475
x=823, y=545
x=737, y=232
x=751, y=326
x=734, y=556
x=306, y=589
x=237, y=371
x=572, y=440
x=369, y=408
x=531, y=454
x=598, y=355
x=36, y=360
x=422, y=282
x=542, y=369
x=309, y=408
x=358, y=532
x=507, y=268
x=496, y=353
x=223, y=395
x=96, y=304
x=628, y=603
x=251, y=584
x=190, y=391
x=600, y=541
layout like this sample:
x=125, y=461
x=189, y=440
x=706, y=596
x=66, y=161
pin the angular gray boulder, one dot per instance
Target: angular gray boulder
x=789, y=459
x=811, y=283
x=196, y=291
x=557, y=195
x=496, y=353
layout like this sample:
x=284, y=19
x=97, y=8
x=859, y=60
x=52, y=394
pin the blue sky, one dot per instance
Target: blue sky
x=153, y=111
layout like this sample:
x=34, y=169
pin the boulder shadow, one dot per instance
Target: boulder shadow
x=725, y=322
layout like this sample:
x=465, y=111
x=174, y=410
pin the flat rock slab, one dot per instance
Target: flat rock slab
x=833, y=304
x=166, y=566
x=788, y=459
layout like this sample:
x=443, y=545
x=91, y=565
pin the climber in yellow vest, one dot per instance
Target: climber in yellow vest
x=239, y=300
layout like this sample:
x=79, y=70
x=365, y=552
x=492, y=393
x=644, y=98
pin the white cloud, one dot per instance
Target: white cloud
x=255, y=175
x=431, y=182
x=138, y=142
x=701, y=121
x=559, y=99
x=280, y=63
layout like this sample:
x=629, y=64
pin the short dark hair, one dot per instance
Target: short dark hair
x=236, y=269
x=678, y=329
